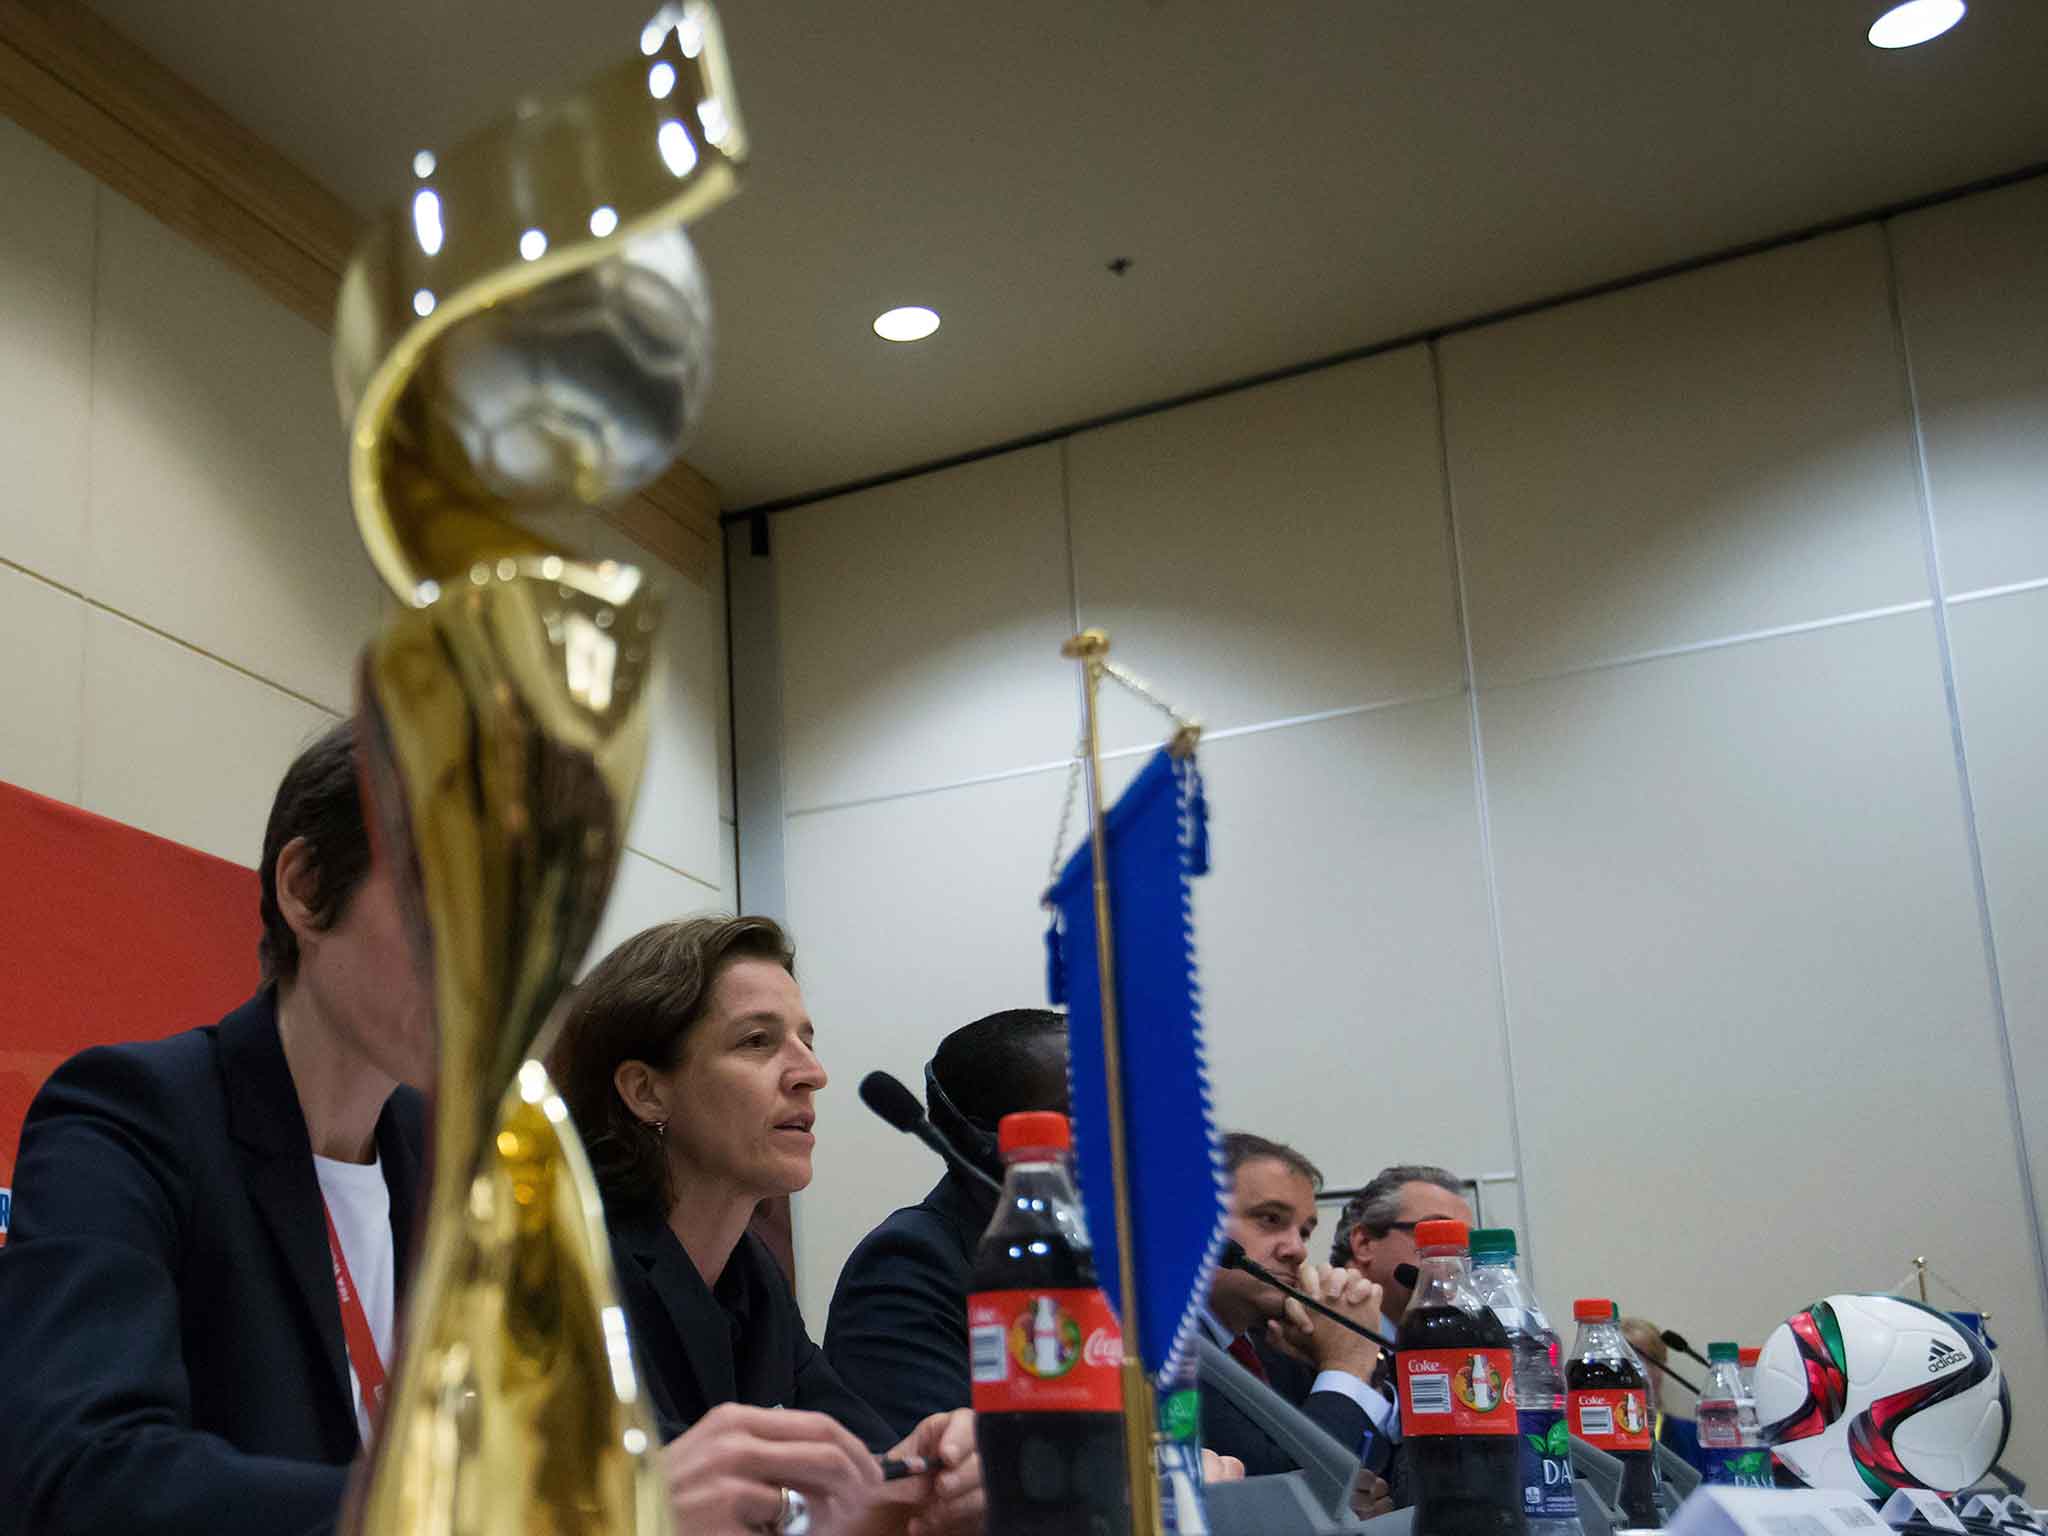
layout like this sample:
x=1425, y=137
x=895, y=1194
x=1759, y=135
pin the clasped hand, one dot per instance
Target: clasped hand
x=1321, y=1342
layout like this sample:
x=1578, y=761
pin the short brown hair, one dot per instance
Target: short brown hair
x=1241, y=1147
x=320, y=801
x=640, y=1004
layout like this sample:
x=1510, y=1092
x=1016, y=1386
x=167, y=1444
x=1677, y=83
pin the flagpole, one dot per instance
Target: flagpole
x=1141, y=1414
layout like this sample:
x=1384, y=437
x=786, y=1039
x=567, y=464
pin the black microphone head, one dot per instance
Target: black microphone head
x=1406, y=1274
x=887, y=1097
x=1673, y=1339
x=1232, y=1256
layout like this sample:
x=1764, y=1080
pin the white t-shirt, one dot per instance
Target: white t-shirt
x=361, y=1206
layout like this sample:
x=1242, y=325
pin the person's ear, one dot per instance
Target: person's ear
x=638, y=1087
x=297, y=881
x=1360, y=1242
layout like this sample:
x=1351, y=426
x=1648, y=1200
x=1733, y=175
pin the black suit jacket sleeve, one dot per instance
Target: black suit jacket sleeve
x=1339, y=1418
x=898, y=1325
x=820, y=1388
x=95, y=1403
x=683, y=1337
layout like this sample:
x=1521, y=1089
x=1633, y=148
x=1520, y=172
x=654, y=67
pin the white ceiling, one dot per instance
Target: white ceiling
x=1287, y=179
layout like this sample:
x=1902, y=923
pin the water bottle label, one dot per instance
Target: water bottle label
x=1457, y=1391
x=1044, y=1352
x=1613, y=1418
x=1737, y=1467
x=1546, y=1466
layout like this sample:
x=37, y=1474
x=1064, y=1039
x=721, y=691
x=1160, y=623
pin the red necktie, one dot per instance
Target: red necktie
x=1242, y=1352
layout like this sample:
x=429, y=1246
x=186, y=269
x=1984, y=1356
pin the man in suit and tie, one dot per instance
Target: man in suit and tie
x=1323, y=1369
x=210, y=1230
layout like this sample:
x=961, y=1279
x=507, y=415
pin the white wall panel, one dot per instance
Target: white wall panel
x=219, y=507
x=1753, y=1035
x=912, y=917
x=1720, y=453
x=2001, y=652
x=1346, y=955
x=1976, y=316
x=676, y=819
x=46, y=303
x=1273, y=552
x=645, y=893
x=921, y=627
x=42, y=662
x=179, y=745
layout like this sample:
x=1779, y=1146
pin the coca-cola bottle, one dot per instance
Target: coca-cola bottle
x=1607, y=1404
x=1045, y=1352
x=1456, y=1374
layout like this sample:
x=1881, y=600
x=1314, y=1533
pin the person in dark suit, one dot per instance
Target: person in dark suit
x=174, y=1351
x=898, y=1324
x=1322, y=1369
x=687, y=1061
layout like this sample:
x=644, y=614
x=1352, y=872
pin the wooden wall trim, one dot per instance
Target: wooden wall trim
x=100, y=100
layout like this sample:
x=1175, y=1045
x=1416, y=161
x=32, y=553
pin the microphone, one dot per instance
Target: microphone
x=1673, y=1339
x=1234, y=1257
x=896, y=1104
x=1406, y=1274
x=1661, y=1366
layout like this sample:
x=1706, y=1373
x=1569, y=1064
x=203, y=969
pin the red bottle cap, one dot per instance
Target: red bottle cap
x=1592, y=1309
x=1035, y=1130
x=1441, y=1234
x=1749, y=1354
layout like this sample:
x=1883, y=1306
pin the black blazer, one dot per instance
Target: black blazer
x=746, y=1344
x=171, y=1356
x=1228, y=1432
x=897, y=1331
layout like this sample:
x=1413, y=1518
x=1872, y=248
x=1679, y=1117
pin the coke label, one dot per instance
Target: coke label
x=1457, y=1391
x=1044, y=1351
x=1613, y=1418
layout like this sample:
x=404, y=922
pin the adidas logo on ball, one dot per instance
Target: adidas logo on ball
x=1941, y=1355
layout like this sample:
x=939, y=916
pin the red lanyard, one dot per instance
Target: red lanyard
x=355, y=1328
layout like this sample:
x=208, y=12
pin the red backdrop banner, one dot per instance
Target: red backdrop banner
x=107, y=933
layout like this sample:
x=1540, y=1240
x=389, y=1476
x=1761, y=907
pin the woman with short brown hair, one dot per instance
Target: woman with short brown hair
x=687, y=1062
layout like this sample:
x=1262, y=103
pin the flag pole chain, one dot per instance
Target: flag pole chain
x=1187, y=732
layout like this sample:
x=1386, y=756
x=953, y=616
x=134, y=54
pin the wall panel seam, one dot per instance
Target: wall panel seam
x=163, y=634
x=92, y=401
x=2010, y=589
x=1482, y=805
x=1965, y=785
x=712, y=886
x=1715, y=643
x=1060, y=765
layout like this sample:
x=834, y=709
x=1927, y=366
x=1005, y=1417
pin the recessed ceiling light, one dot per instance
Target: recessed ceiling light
x=533, y=245
x=913, y=322
x=1915, y=22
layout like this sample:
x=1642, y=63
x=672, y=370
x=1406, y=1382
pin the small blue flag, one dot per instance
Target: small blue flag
x=1158, y=842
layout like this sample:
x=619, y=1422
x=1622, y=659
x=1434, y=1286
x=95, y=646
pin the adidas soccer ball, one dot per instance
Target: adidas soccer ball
x=1876, y=1393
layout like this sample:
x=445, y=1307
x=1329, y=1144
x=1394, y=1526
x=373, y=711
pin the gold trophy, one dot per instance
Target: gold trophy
x=527, y=330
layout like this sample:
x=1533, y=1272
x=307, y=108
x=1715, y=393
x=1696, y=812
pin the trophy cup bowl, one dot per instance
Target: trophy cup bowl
x=528, y=329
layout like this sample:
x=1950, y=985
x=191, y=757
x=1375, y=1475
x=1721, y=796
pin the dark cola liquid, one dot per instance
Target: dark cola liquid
x=1046, y=1474
x=1638, y=1497
x=1464, y=1485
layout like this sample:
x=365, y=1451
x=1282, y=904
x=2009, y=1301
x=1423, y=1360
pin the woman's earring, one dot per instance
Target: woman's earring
x=660, y=1129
